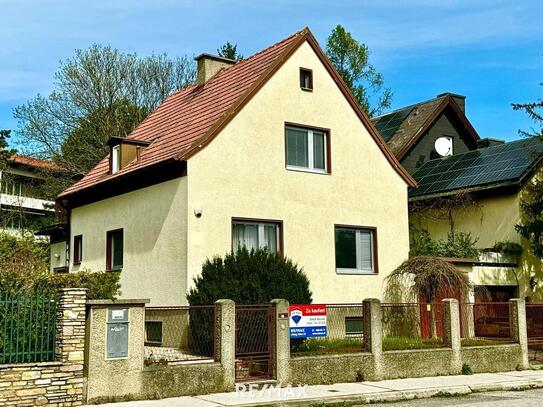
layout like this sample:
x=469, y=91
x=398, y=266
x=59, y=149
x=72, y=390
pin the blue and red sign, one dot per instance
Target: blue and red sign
x=307, y=321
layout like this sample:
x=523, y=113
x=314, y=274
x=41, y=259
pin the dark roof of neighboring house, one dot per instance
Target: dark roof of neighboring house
x=502, y=165
x=33, y=163
x=402, y=128
x=190, y=118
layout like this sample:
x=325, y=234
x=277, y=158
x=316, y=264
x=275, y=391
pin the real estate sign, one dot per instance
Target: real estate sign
x=307, y=321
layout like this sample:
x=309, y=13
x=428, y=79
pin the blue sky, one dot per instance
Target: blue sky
x=490, y=51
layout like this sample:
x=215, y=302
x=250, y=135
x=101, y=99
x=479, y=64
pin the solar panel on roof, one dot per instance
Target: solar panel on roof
x=500, y=163
x=389, y=124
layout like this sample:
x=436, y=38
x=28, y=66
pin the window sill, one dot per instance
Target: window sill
x=303, y=169
x=306, y=89
x=76, y=263
x=356, y=272
x=115, y=269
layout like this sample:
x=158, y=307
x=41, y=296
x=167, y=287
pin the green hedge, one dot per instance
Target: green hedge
x=24, y=270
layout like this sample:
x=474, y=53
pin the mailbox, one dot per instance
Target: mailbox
x=117, y=333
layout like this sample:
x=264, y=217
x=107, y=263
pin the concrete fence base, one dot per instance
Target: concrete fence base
x=375, y=364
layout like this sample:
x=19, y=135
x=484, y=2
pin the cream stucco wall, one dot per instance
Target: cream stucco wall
x=58, y=255
x=492, y=219
x=241, y=173
x=154, y=223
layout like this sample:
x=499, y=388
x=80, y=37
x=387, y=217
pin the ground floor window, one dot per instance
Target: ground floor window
x=356, y=250
x=354, y=326
x=153, y=333
x=255, y=234
x=114, y=249
x=495, y=293
x=78, y=249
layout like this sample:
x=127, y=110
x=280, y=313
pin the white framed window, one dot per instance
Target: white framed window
x=355, y=250
x=256, y=235
x=115, y=159
x=306, y=149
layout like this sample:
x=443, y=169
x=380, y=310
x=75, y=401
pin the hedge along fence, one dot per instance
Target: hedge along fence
x=27, y=328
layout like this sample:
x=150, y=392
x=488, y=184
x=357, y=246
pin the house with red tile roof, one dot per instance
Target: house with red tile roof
x=23, y=204
x=270, y=151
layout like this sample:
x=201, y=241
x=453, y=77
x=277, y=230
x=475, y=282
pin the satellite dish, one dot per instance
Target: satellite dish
x=444, y=146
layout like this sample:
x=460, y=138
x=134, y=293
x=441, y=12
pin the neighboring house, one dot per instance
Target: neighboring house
x=495, y=179
x=271, y=151
x=22, y=202
x=412, y=132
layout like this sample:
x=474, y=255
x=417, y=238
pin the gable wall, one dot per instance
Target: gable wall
x=242, y=173
x=443, y=126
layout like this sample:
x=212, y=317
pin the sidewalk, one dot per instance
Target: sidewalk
x=365, y=392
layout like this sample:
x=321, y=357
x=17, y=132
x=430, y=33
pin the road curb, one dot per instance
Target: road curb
x=405, y=395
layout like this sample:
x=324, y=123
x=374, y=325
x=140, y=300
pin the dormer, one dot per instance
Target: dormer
x=124, y=151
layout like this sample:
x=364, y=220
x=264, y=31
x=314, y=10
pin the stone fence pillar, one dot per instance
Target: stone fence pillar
x=70, y=341
x=451, y=331
x=226, y=340
x=282, y=341
x=517, y=321
x=373, y=333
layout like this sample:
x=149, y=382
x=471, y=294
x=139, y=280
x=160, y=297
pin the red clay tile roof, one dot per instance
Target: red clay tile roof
x=188, y=119
x=32, y=162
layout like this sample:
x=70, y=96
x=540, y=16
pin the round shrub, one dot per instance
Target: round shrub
x=250, y=277
x=246, y=277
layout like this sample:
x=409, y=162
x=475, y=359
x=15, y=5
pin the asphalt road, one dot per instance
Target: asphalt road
x=526, y=398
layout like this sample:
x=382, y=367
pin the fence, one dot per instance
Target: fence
x=27, y=328
x=534, y=324
x=254, y=341
x=179, y=334
x=485, y=323
x=344, y=325
x=412, y=325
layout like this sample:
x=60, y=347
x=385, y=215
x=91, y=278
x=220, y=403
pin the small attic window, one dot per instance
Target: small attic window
x=115, y=158
x=124, y=151
x=306, y=79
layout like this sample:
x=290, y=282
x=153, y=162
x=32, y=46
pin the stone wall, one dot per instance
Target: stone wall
x=58, y=383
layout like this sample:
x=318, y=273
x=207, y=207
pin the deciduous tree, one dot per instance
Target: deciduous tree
x=351, y=59
x=98, y=93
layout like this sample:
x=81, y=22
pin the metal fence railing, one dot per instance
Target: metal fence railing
x=255, y=341
x=534, y=325
x=27, y=328
x=177, y=334
x=485, y=323
x=412, y=325
x=344, y=332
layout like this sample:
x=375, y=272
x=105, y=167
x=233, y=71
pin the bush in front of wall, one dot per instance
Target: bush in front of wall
x=250, y=277
x=246, y=277
x=24, y=270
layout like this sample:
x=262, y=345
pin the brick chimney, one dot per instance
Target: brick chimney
x=209, y=65
x=459, y=99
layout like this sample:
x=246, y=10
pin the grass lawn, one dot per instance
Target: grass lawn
x=326, y=346
x=484, y=341
x=393, y=343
